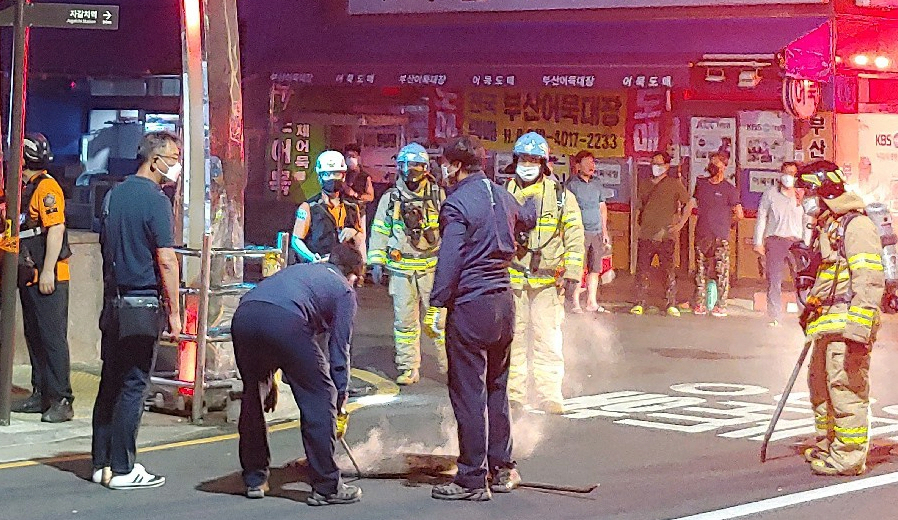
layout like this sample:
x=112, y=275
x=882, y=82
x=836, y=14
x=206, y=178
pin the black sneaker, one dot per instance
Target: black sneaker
x=344, y=495
x=34, y=403
x=453, y=491
x=505, y=480
x=60, y=411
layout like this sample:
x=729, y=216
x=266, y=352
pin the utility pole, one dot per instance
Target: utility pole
x=8, y=282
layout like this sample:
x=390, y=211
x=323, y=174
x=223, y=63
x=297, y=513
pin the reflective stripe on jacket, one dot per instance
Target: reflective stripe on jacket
x=389, y=242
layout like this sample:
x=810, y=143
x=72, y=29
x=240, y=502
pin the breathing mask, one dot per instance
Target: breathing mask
x=811, y=205
x=788, y=181
x=527, y=173
x=331, y=185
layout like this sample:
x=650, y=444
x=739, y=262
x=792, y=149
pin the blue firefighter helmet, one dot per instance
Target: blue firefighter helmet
x=412, y=158
x=533, y=144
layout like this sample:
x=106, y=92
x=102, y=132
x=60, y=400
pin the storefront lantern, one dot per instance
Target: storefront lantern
x=801, y=97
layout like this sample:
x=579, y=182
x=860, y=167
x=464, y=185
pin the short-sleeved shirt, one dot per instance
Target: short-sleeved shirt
x=590, y=195
x=139, y=221
x=715, y=208
x=47, y=208
x=659, y=205
x=358, y=181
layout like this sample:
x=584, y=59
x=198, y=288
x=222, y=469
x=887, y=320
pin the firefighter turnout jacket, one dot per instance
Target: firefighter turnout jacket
x=557, y=239
x=850, y=282
x=405, y=234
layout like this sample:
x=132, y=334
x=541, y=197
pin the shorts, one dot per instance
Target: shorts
x=595, y=250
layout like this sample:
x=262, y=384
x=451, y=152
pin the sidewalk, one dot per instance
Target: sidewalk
x=27, y=438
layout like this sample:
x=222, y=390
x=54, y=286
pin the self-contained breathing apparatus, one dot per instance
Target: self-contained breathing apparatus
x=806, y=261
x=522, y=238
x=413, y=212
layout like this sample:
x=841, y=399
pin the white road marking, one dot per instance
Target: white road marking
x=803, y=497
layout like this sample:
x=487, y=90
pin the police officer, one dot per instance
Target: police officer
x=551, y=259
x=405, y=238
x=841, y=317
x=44, y=286
x=326, y=219
x=478, y=222
x=275, y=327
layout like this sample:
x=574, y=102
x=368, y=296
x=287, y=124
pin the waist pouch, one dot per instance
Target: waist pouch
x=138, y=316
x=32, y=251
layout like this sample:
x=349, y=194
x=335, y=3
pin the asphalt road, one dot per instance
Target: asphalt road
x=665, y=414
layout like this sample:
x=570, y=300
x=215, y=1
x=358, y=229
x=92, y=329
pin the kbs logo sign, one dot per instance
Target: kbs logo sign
x=887, y=140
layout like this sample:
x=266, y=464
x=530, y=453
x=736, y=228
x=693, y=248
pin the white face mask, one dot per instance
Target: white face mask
x=788, y=181
x=658, y=170
x=527, y=173
x=352, y=162
x=811, y=206
x=173, y=173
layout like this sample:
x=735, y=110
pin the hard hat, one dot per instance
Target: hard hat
x=532, y=143
x=823, y=178
x=412, y=157
x=37, y=154
x=330, y=161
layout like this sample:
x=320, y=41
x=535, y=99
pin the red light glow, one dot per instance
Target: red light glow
x=881, y=62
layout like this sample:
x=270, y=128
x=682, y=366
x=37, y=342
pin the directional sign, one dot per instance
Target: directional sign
x=66, y=16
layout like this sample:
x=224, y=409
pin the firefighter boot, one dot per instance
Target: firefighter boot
x=408, y=377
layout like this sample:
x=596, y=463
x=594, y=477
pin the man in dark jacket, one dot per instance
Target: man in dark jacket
x=478, y=223
x=274, y=327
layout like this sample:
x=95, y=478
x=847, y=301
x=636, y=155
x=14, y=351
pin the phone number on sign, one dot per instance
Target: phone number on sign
x=591, y=141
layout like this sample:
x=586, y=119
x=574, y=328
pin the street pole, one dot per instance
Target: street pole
x=8, y=282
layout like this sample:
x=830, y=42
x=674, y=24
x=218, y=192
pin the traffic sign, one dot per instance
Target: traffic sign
x=66, y=16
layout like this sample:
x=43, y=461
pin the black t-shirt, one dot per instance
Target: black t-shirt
x=139, y=221
x=715, y=208
x=358, y=181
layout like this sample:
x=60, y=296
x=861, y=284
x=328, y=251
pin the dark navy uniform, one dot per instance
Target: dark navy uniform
x=274, y=327
x=478, y=222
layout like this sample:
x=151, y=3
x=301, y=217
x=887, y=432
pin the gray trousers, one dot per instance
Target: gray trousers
x=776, y=251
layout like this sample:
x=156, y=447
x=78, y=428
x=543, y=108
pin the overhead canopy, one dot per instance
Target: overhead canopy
x=534, y=52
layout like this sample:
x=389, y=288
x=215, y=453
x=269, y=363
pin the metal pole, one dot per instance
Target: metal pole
x=202, y=330
x=13, y=204
x=783, y=398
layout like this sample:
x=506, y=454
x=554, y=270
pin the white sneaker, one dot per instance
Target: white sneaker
x=102, y=476
x=139, y=478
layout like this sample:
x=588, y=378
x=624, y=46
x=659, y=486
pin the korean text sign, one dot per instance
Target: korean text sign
x=570, y=119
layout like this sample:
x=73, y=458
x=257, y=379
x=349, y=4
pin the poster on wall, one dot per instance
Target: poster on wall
x=707, y=136
x=649, y=122
x=760, y=180
x=876, y=175
x=765, y=139
x=570, y=119
x=293, y=145
x=816, y=138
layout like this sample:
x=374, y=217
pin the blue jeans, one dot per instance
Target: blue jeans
x=119, y=405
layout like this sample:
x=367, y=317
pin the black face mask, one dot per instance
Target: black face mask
x=332, y=185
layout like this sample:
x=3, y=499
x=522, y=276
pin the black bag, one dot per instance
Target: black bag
x=138, y=316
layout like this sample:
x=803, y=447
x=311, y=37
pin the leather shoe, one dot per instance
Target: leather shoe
x=60, y=411
x=32, y=404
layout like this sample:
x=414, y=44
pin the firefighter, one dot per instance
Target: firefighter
x=405, y=238
x=478, y=222
x=841, y=317
x=549, y=261
x=44, y=286
x=326, y=219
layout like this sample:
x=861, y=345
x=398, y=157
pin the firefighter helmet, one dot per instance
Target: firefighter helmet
x=823, y=178
x=533, y=144
x=37, y=154
x=413, y=158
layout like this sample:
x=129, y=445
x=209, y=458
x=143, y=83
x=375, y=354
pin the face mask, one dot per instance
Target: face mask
x=527, y=173
x=788, y=181
x=172, y=173
x=352, y=162
x=331, y=185
x=658, y=170
x=811, y=206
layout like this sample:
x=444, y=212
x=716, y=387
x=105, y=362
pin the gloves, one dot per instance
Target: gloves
x=377, y=274
x=342, y=415
x=434, y=321
x=348, y=234
x=271, y=400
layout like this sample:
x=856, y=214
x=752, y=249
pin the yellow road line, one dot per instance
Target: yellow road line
x=384, y=387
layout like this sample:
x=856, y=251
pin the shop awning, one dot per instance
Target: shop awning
x=811, y=55
x=608, y=54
